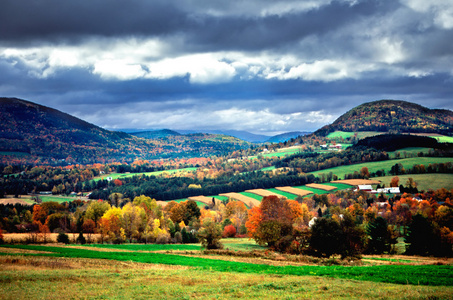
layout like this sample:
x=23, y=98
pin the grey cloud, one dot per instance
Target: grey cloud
x=64, y=20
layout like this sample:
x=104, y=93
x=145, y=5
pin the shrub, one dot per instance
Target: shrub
x=178, y=237
x=81, y=239
x=163, y=238
x=210, y=235
x=63, y=238
x=229, y=231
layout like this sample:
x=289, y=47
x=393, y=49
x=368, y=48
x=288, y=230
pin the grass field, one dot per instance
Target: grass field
x=46, y=198
x=29, y=277
x=285, y=194
x=385, y=165
x=68, y=273
x=409, y=151
x=345, y=135
x=156, y=173
x=443, y=139
x=424, y=181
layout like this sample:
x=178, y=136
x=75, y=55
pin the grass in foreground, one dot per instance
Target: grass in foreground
x=70, y=278
x=433, y=275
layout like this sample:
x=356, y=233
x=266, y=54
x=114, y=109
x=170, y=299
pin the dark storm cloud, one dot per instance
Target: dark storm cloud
x=50, y=19
x=286, y=65
x=274, y=31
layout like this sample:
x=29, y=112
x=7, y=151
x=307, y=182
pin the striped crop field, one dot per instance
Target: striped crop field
x=239, y=197
x=322, y=186
x=262, y=192
x=357, y=181
x=204, y=199
x=293, y=190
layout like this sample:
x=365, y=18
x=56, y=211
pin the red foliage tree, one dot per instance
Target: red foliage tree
x=229, y=231
x=39, y=214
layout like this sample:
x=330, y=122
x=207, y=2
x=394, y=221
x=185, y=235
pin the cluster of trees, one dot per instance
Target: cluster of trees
x=349, y=226
x=344, y=223
x=181, y=187
x=309, y=162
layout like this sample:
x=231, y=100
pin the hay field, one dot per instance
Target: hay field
x=292, y=190
x=262, y=193
x=358, y=181
x=246, y=200
x=322, y=186
x=204, y=199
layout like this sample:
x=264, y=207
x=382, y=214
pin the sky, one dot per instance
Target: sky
x=263, y=66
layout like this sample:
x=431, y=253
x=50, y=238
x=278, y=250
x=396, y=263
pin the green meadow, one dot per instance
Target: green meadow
x=156, y=173
x=424, y=182
x=383, y=165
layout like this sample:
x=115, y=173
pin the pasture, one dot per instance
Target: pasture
x=175, y=172
x=425, y=182
x=386, y=165
x=108, y=271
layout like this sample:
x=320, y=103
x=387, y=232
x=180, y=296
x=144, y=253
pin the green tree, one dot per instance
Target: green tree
x=191, y=211
x=96, y=210
x=210, y=234
x=326, y=237
x=379, y=237
x=420, y=236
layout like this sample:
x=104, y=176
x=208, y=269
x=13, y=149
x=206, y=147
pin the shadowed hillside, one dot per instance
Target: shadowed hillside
x=393, y=116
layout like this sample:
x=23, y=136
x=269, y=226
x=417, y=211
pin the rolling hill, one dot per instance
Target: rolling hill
x=392, y=116
x=45, y=135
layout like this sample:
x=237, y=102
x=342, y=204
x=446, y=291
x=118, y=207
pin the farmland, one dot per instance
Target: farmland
x=424, y=182
x=81, y=273
x=175, y=172
x=383, y=165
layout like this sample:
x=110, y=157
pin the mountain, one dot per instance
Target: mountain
x=281, y=138
x=392, y=116
x=45, y=135
x=155, y=134
x=240, y=134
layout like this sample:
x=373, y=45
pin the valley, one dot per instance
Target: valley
x=297, y=216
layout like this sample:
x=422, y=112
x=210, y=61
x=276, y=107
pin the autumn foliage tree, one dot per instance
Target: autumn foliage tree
x=272, y=220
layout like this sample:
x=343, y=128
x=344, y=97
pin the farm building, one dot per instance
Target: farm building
x=364, y=187
x=390, y=190
x=335, y=147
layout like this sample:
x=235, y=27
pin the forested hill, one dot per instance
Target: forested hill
x=44, y=135
x=393, y=116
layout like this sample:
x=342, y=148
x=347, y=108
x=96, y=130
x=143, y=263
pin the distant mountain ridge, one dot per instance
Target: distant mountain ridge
x=281, y=138
x=155, y=134
x=392, y=116
x=48, y=135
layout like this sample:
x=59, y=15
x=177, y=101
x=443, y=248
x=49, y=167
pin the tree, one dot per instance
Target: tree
x=192, y=211
x=364, y=173
x=395, y=181
x=110, y=225
x=133, y=220
x=353, y=238
x=210, y=234
x=96, y=210
x=326, y=237
x=255, y=216
x=39, y=214
x=229, y=231
x=420, y=236
x=379, y=236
